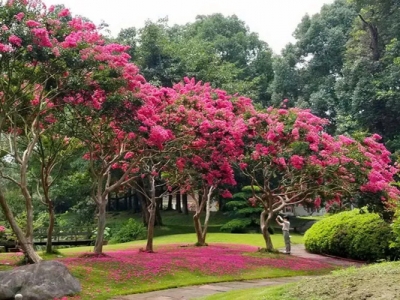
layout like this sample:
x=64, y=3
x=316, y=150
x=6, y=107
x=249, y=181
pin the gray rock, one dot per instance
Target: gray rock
x=42, y=281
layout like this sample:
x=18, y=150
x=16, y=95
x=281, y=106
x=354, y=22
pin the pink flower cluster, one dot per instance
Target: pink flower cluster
x=218, y=260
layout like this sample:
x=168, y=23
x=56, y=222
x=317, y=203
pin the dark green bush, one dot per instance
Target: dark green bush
x=130, y=231
x=236, y=226
x=245, y=218
x=351, y=234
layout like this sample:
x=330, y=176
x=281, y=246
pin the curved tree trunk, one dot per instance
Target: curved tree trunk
x=26, y=242
x=101, y=225
x=265, y=217
x=201, y=231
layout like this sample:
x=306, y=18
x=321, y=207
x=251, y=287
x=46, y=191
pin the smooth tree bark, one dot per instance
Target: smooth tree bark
x=25, y=241
x=200, y=205
x=103, y=188
x=152, y=214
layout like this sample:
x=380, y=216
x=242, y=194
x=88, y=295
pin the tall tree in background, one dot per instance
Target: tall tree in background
x=216, y=49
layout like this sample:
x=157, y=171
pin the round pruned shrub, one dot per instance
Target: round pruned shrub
x=352, y=234
x=130, y=231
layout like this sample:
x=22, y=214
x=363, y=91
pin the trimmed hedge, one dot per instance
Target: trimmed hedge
x=351, y=234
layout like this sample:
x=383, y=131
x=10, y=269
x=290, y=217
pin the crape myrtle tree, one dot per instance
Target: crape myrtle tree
x=35, y=68
x=290, y=159
x=208, y=132
x=154, y=146
x=56, y=68
x=109, y=117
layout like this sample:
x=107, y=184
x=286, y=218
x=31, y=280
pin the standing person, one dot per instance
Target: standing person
x=284, y=222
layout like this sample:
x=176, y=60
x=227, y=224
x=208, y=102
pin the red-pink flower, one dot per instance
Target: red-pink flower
x=64, y=13
x=129, y=155
x=13, y=39
x=32, y=23
x=226, y=194
x=297, y=161
x=19, y=16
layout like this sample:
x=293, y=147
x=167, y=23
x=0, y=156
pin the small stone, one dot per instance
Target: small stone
x=18, y=297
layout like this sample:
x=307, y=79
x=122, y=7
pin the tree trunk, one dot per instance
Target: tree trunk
x=374, y=35
x=50, y=229
x=152, y=215
x=145, y=211
x=158, y=217
x=185, y=204
x=178, y=206
x=265, y=217
x=201, y=231
x=169, y=207
x=101, y=225
x=26, y=242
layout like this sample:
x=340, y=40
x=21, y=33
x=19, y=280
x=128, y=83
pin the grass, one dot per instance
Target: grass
x=176, y=262
x=270, y=293
x=378, y=281
x=128, y=270
x=131, y=271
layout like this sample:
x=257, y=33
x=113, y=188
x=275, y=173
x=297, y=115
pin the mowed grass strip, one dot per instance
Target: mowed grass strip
x=378, y=282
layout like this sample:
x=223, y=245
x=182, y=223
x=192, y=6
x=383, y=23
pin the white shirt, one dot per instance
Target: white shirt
x=286, y=225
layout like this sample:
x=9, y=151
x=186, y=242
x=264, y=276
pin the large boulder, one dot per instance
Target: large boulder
x=41, y=281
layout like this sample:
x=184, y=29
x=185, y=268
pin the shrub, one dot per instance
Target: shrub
x=245, y=218
x=395, y=243
x=236, y=226
x=352, y=234
x=130, y=231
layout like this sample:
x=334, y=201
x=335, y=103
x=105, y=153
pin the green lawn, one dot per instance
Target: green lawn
x=177, y=262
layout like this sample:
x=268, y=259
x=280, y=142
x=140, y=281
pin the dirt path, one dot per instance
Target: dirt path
x=191, y=292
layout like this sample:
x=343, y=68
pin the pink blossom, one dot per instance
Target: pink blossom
x=226, y=194
x=42, y=37
x=5, y=48
x=297, y=161
x=19, y=16
x=180, y=164
x=317, y=202
x=32, y=23
x=15, y=40
x=129, y=155
x=56, y=51
x=242, y=165
x=64, y=13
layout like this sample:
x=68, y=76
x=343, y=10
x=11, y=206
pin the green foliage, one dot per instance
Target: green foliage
x=216, y=49
x=130, y=231
x=107, y=233
x=237, y=226
x=395, y=243
x=245, y=217
x=352, y=234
